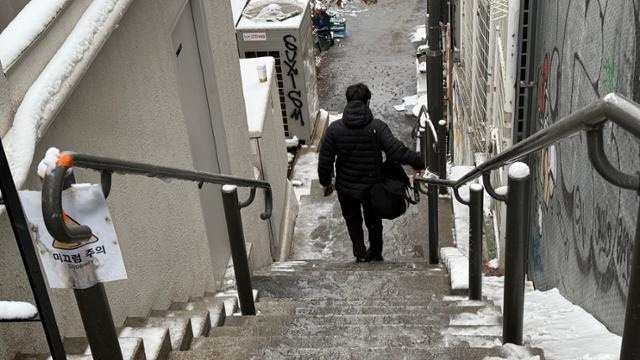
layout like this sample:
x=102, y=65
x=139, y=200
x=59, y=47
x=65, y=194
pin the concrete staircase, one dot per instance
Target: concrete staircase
x=321, y=309
x=324, y=309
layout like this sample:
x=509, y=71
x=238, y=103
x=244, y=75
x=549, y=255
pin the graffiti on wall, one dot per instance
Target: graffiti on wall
x=582, y=239
x=291, y=63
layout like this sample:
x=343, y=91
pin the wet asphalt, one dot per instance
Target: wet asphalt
x=377, y=52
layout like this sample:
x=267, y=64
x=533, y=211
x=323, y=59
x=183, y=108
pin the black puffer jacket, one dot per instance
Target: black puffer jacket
x=351, y=141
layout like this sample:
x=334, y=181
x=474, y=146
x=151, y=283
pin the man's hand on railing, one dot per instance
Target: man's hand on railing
x=419, y=173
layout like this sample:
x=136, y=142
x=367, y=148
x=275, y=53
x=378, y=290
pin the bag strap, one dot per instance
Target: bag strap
x=376, y=145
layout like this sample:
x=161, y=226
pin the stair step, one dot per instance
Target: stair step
x=200, y=319
x=157, y=341
x=230, y=302
x=335, y=320
x=350, y=353
x=476, y=341
x=320, y=265
x=215, y=307
x=229, y=342
x=346, y=331
x=483, y=330
x=352, y=286
x=180, y=329
x=283, y=307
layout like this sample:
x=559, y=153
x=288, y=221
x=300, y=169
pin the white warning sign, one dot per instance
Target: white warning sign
x=77, y=265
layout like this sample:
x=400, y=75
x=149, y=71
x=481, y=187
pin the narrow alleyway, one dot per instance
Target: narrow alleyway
x=376, y=51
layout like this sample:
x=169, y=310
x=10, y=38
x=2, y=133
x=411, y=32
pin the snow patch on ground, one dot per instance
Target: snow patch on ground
x=458, y=266
x=514, y=352
x=25, y=28
x=13, y=310
x=305, y=170
x=565, y=331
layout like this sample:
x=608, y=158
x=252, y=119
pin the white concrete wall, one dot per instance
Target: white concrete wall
x=127, y=106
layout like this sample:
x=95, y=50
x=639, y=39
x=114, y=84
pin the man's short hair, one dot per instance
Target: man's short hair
x=359, y=92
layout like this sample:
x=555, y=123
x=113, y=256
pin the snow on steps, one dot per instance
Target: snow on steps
x=157, y=341
x=180, y=330
x=163, y=331
x=132, y=349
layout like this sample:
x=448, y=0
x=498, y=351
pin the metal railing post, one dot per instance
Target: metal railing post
x=20, y=229
x=435, y=93
x=442, y=152
x=518, y=202
x=423, y=143
x=476, y=195
x=432, y=193
x=238, y=249
x=630, y=348
x=98, y=322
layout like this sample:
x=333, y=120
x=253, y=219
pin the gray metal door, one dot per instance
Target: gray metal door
x=195, y=107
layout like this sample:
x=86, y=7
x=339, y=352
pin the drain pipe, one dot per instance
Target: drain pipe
x=56, y=82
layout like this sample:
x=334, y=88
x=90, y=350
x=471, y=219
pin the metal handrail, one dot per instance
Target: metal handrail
x=613, y=107
x=93, y=304
x=54, y=184
x=417, y=127
x=590, y=119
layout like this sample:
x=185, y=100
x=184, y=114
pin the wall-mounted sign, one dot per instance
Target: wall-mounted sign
x=254, y=36
x=83, y=264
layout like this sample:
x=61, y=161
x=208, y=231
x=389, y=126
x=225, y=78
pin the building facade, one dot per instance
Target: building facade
x=163, y=88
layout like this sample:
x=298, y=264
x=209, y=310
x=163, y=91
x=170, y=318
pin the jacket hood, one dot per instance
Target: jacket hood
x=356, y=115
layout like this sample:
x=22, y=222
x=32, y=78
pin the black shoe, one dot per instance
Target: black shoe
x=374, y=257
x=362, y=259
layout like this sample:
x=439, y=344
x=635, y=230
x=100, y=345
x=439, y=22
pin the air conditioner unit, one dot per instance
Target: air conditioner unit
x=282, y=29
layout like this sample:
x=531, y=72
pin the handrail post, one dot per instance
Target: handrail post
x=238, y=249
x=29, y=257
x=518, y=202
x=95, y=313
x=423, y=143
x=630, y=348
x=476, y=195
x=442, y=152
x=432, y=193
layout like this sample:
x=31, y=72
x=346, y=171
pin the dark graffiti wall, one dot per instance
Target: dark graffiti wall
x=583, y=227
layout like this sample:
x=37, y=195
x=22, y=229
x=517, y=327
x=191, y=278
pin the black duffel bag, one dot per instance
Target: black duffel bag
x=391, y=196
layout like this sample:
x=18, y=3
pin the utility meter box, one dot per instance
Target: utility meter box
x=282, y=29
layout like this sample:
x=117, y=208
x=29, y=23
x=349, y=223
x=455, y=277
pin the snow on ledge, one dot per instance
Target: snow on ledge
x=26, y=27
x=16, y=310
x=51, y=89
x=256, y=93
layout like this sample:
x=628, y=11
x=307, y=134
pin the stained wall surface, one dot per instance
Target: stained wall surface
x=583, y=227
x=127, y=106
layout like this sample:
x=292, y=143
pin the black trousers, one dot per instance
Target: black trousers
x=352, y=210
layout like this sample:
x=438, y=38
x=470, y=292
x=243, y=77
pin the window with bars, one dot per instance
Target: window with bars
x=280, y=79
